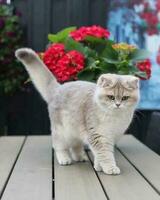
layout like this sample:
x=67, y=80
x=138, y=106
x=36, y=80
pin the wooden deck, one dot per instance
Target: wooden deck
x=26, y=173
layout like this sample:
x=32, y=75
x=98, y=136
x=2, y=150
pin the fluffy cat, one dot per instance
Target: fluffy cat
x=83, y=112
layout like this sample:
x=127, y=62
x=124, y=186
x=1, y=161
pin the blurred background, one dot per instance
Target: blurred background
x=28, y=22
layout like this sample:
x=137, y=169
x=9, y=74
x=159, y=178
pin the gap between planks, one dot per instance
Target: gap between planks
x=143, y=159
x=128, y=185
x=16, y=147
x=32, y=175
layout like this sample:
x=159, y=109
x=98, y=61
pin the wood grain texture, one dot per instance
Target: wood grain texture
x=129, y=185
x=144, y=159
x=77, y=182
x=9, y=149
x=32, y=176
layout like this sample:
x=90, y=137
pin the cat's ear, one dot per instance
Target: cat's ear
x=133, y=83
x=105, y=80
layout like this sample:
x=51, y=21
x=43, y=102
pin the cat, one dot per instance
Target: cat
x=83, y=112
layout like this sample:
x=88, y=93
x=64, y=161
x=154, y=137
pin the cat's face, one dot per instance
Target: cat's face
x=117, y=91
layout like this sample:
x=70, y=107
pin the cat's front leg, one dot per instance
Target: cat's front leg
x=103, y=150
x=107, y=164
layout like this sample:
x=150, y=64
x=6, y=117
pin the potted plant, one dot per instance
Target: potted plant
x=86, y=52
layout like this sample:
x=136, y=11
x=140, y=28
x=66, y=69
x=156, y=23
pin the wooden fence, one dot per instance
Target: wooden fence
x=26, y=112
x=40, y=17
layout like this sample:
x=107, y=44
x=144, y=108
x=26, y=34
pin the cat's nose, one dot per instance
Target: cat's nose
x=118, y=104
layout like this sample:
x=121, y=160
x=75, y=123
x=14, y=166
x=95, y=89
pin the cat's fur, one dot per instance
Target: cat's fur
x=82, y=112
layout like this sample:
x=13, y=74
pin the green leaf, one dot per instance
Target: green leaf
x=94, y=40
x=132, y=69
x=61, y=36
x=97, y=44
x=109, y=52
x=141, y=74
x=139, y=54
x=53, y=38
x=65, y=32
x=108, y=67
x=86, y=75
x=71, y=44
x=89, y=52
x=111, y=61
x=90, y=61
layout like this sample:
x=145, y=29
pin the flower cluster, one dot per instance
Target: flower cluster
x=151, y=21
x=145, y=66
x=124, y=47
x=149, y=12
x=64, y=65
x=96, y=31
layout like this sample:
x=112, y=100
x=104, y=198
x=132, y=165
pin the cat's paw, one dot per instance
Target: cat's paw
x=111, y=170
x=63, y=158
x=80, y=157
x=65, y=161
x=97, y=167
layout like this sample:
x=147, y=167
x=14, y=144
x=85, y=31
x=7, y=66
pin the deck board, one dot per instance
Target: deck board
x=32, y=176
x=77, y=182
x=9, y=149
x=129, y=185
x=143, y=158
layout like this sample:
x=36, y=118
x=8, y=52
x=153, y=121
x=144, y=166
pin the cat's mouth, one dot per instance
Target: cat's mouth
x=117, y=107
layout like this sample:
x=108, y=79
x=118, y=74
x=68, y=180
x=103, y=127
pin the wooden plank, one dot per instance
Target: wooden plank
x=129, y=185
x=59, y=8
x=144, y=159
x=98, y=12
x=9, y=149
x=32, y=176
x=77, y=182
x=75, y=10
x=41, y=23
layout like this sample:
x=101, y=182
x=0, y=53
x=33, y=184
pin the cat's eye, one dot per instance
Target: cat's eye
x=124, y=98
x=111, y=97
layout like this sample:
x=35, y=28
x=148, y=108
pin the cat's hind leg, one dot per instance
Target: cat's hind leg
x=78, y=153
x=63, y=157
x=61, y=149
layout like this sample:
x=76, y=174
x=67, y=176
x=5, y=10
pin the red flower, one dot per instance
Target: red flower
x=53, y=54
x=96, y=31
x=145, y=66
x=152, y=21
x=150, y=18
x=64, y=66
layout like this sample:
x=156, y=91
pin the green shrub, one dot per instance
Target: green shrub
x=12, y=74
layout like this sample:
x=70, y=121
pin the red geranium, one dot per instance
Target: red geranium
x=53, y=54
x=64, y=65
x=145, y=66
x=96, y=31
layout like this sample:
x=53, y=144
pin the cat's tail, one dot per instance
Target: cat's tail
x=39, y=73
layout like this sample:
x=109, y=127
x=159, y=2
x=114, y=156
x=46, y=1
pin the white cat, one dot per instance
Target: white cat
x=83, y=112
